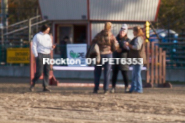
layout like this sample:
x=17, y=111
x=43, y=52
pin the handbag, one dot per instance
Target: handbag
x=94, y=52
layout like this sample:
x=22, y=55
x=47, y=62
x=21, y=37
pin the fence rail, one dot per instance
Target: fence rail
x=23, y=30
x=175, y=54
x=12, y=45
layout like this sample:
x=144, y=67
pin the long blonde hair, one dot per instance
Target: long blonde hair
x=107, y=32
x=138, y=30
x=108, y=26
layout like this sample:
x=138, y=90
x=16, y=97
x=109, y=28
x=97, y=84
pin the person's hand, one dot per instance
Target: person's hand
x=36, y=58
x=53, y=46
x=119, y=50
x=126, y=43
x=125, y=47
x=116, y=42
x=130, y=46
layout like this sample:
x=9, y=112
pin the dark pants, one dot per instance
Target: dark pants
x=41, y=68
x=115, y=74
x=97, y=73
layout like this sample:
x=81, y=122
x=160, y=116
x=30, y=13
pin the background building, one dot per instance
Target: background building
x=81, y=20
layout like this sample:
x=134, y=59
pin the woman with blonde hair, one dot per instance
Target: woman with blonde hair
x=137, y=50
x=107, y=44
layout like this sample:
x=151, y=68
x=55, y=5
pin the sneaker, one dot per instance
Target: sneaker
x=112, y=90
x=46, y=90
x=138, y=92
x=134, y=92
x=31, y=88
x=126, y=89
x=95, y=91
x=106, y=92
x=129, y=92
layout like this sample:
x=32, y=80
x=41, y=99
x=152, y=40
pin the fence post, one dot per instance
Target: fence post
x=164, y=67
x=2, y=36
x=31, y=65
x=152, y=63
x=29, y=29
x=148, y=64
x=156, y=64
x=148, y=71
x=160, y=65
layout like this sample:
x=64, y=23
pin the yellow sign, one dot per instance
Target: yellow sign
x=18, y=55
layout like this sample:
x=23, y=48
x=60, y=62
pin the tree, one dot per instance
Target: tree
x=19, y=10
x=172, y=13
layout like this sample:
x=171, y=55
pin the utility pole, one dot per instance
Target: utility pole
x=4, y=11
x=168, y=38
x=29, y=29
x=37, y=12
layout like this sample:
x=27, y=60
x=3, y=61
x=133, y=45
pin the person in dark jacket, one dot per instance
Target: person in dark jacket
x=107, y=45
x=63, y=47
x=121, y=53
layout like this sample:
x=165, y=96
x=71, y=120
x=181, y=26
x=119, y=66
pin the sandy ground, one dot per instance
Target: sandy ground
x=80, y=105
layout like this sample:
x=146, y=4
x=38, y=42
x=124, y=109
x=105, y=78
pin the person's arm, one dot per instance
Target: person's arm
x=119, y=50
x=95, y=39
x=124, y=47
x=51, y=46
x=138, y=44
x=115, y=45
x=34, y=46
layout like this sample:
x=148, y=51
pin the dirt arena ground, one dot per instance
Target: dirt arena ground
x=79, y=105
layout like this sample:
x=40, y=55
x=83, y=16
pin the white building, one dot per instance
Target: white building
x=81, y=20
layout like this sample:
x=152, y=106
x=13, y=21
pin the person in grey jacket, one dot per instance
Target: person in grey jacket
x=121, y=53
x=137, y=50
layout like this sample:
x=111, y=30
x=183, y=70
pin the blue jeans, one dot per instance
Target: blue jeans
x=107, y=71
x=136, y=85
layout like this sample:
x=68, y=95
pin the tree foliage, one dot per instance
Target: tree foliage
x=171, y=15
x=19, y=10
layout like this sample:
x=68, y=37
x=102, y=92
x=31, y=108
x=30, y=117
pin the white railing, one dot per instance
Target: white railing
x=25, y=27
x=24, y=22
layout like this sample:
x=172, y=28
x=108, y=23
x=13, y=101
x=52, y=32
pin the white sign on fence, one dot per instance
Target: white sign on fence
x=77, y=51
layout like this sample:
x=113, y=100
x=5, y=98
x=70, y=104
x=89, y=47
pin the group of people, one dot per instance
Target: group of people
x=109, y=46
